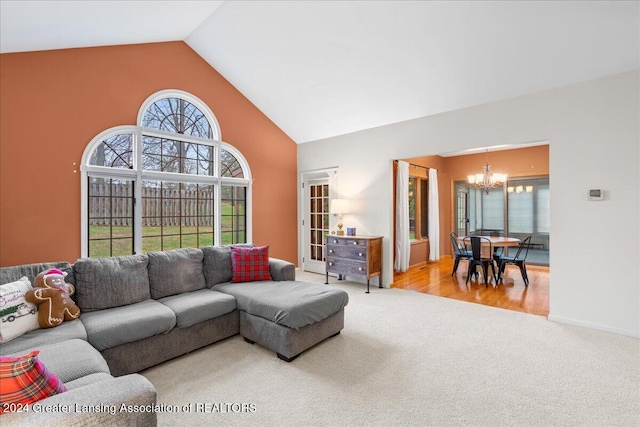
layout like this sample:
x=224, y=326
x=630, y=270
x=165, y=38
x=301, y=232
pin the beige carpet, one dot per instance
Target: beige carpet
x=412, y=359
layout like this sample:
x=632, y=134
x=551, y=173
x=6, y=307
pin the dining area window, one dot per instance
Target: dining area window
x=518, y=209
x=418, y=207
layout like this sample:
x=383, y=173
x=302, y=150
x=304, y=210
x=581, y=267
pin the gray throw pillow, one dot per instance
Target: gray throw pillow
x=217, y=263
x=175, y=272
x=111, y=282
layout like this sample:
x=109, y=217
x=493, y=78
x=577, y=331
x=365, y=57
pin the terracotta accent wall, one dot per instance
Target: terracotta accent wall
x=530, y=161
x=54, y=102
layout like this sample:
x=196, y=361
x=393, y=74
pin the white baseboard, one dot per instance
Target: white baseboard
x=596, y=326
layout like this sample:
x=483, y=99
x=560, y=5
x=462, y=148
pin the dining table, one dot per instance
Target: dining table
x=496, y=242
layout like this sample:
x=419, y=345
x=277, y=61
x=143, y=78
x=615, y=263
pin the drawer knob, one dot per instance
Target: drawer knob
x=330, y=263
x=330, y=251
x=355, y=243
x=360, y=254
x=360, y=268
x=335, y=241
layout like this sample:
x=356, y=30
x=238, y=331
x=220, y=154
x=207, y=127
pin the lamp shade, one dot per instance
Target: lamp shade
x=339, y=206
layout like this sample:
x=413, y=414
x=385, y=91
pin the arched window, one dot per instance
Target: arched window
x=169, y=182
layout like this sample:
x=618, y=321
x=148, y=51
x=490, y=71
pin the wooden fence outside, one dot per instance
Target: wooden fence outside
x=113, y=204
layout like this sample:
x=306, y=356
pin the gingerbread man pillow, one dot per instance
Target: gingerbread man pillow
x=53, y=297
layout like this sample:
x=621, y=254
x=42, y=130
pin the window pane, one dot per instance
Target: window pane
x=122, y=247
x=114, y=152
x=424, y=208
x=165, y=155
x=151, y=244
x=110, y=217
x=233, y=214
x=412, y=208
x=99, y=248
x=492, y=210
x=520, y=210
x=178, y=116
x=205, y=239
x=174, y=215
x=486, y=211
x=529, y=215
x=190, y=241
x=229, y=165
x=543, y=217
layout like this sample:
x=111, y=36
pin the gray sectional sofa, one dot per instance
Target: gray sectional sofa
x=141, y=310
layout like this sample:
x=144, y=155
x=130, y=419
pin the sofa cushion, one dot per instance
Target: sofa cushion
x=217, y=263
x=39, y=337
x=111, y=282
x=88, y=379
x=10, y=274
x=70, y=360
x=25, y=380
x=292, y=304
x=195, y=307
x=174, y=272
x=250, y=264
x=16, y=314
x=281, y=269
x=119, y=325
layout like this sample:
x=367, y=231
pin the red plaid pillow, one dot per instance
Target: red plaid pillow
x=250, y=264
x=25, y=380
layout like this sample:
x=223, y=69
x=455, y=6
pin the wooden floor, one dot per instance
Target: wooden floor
x=510, y=293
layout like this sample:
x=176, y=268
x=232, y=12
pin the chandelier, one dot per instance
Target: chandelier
x=487, y=180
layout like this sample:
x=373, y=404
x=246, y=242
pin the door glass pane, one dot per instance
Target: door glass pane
x=460, y=210
x=319, y=219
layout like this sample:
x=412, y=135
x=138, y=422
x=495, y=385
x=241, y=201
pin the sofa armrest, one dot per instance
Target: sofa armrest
x=281, y=270
x=99, y=404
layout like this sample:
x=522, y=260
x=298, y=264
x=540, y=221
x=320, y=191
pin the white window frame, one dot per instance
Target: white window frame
x=138, y=175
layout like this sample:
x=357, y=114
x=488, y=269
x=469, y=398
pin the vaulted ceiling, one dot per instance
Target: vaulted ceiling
x=320, y=69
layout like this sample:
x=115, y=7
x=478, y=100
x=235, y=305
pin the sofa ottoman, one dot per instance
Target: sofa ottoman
x=287, y=317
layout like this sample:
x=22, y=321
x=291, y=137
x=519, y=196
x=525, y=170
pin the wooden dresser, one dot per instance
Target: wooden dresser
x=356, y=256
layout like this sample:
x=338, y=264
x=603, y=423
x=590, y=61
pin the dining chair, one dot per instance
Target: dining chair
x=477, y=259
x=459, y=251
x=519, y=259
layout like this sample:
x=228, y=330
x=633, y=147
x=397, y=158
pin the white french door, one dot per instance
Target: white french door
x=316, y=193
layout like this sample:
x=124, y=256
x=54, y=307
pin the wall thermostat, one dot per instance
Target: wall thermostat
x=596, y=194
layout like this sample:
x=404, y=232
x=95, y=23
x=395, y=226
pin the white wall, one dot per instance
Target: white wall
x=594, y=134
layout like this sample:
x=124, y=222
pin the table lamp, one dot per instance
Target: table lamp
x=339, y=206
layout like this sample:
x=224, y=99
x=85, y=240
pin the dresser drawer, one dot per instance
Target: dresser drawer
x=349, y=252
x=345, y=266
x=347, y=242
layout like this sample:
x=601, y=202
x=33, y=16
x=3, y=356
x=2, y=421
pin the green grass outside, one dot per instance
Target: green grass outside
x=153, y=238
x=192, y=237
